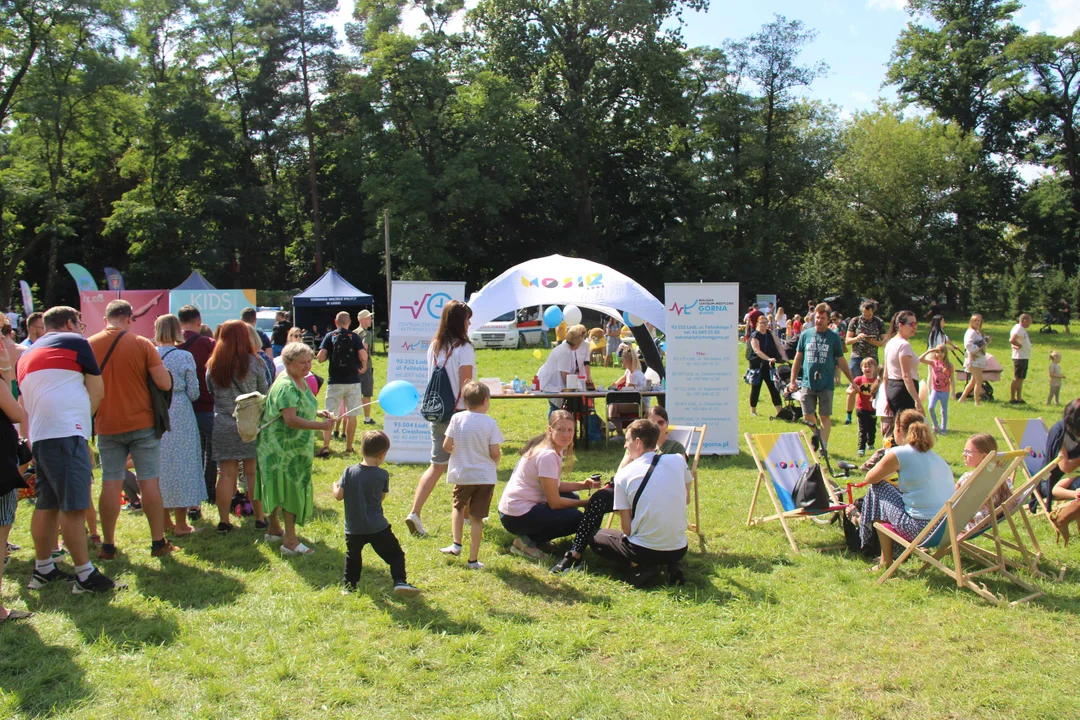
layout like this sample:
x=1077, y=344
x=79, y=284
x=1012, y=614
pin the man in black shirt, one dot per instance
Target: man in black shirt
x=866, y=334
x=279, y=336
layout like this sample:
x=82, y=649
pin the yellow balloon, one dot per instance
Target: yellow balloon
x=537, y=354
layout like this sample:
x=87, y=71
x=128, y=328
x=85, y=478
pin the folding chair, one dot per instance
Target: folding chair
x=692, y=438
x=1030, y=433
x=782, y=458
x=947, y=531
x=623, y=417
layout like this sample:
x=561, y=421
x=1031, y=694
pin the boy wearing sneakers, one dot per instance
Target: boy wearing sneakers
x=363, y=488
x=866, y=384
x=472, y=439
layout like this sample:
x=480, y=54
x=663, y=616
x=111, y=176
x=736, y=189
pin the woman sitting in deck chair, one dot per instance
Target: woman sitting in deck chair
x=925, y=482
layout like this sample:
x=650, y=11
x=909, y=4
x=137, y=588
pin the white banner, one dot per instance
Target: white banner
x=415, y=309
x=702, y=364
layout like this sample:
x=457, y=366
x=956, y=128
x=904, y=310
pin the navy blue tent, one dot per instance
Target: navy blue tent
x=195, y=281
x=326, y=297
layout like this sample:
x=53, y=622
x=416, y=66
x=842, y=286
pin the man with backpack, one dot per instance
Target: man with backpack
x=348, y=362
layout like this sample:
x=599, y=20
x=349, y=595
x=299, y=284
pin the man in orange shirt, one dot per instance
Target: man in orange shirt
x=125, y=424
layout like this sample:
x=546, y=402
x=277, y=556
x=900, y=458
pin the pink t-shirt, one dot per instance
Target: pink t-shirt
x=895, y=349
x=940, y=374
x=524, y=489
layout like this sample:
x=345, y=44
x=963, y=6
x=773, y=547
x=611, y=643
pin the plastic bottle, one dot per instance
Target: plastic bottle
x=518, y=388
x=536, y=383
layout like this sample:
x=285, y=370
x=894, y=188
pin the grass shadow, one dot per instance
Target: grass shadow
x=37, y=679
x=414, y=612
x=185, y=587
x=322, y=568
x=238, y=550
x=554, y=592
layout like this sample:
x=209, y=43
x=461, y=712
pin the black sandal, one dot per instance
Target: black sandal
x=261, y=524
x=224, y=528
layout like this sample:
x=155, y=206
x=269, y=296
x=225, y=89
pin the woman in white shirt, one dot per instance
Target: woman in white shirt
x=570, y=357
x=780, y=322
x=537, y=505
x=450, y=349
x=975, y=360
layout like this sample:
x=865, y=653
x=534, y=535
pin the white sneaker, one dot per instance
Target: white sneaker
x=416, y=527
x=477, y=565
x=451, y=549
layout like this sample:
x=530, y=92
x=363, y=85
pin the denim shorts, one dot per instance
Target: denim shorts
x=144, y=448
x=64, y=474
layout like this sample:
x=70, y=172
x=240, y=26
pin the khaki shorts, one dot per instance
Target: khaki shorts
x=474, y=498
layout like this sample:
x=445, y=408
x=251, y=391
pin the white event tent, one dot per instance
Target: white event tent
x=559, y=280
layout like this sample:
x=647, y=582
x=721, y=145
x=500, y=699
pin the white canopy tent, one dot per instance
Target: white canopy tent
x=559, y=280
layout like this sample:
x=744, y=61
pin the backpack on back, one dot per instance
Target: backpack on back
x=342, y=355
x=437, y=405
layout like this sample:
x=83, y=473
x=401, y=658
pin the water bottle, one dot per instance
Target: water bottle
x=518, y=388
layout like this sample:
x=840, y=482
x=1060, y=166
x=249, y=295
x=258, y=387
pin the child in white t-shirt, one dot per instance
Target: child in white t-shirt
x=1056, y=376
x=472, y=439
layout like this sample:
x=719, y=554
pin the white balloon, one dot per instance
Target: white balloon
x=572, y=314
x=633, y=320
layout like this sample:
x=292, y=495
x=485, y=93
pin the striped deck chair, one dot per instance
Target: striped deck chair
x=1030, y=433
x=947, y=532
x=692, y=438
x=781, y=460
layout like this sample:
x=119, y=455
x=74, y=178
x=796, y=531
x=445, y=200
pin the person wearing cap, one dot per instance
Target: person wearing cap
x=367, y=379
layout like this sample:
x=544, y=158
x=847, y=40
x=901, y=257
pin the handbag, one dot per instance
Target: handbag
x=160, y=401
x=810, y=492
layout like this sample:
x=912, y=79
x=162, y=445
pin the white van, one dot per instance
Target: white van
x=515, y=329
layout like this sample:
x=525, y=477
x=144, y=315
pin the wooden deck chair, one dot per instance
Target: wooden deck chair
x=947, y=531
x=1030, y=433
x=781, y=459
x=692, y=438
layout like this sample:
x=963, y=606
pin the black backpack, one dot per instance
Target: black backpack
x=437, y=405
x=342, y=353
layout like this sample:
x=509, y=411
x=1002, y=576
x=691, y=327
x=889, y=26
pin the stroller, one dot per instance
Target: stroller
x=991, y=372
x=1049, y=319
x=792, y=410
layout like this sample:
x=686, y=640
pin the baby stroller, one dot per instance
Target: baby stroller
x=792, y=410
x=1048, y=323
x=992, y=371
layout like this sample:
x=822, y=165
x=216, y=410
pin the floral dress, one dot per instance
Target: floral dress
x=286, y=454
x=181, y=479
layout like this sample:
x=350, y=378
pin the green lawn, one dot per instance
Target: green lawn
x=228, y=628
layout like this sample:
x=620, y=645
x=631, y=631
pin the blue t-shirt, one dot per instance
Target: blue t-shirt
x=820, y=351
x=925, y=481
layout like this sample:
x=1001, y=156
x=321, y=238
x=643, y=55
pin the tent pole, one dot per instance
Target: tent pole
x=386, y=244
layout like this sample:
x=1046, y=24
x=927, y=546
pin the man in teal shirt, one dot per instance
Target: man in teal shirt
x=819, y=353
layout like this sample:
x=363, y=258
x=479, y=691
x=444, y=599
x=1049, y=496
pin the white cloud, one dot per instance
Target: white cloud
x=1063, y=16
x=886, y=4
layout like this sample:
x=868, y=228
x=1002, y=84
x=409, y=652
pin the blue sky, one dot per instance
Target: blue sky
x=855, y=37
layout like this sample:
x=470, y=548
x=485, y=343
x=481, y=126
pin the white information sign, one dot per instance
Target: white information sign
x=702, y=364
x=415, y=309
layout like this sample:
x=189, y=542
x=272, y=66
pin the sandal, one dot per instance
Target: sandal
x=300, y=549
x=323, y=453
x=192, y=531
x=521, y=549
x=14, y=615
x=224, y=528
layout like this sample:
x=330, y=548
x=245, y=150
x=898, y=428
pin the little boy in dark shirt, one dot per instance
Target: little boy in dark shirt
x=363, y=488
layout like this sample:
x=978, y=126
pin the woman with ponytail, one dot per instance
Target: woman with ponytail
x=925, y=482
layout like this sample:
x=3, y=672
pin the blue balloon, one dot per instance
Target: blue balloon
x=398, y=398
x=663, y=345
x=553, y=316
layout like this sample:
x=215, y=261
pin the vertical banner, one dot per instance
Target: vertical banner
x=763, y=302
x=415, y=309
x=83, y=279
x=27, y=297
x=113, y=279
x=215, y=306
x=702, y=361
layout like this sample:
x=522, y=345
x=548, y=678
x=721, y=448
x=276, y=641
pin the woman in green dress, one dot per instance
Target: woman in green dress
x=286, y=445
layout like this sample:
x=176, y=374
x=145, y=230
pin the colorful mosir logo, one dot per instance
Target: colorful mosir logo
x=791, y=465
x=433, y=304
x=591, y=281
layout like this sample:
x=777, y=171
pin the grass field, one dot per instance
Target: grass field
x=227, y=628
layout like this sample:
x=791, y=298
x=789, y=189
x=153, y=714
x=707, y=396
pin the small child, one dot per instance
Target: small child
x=363, y=488
x=942, y=384
x=1055, y=378
x=864, y=405
x=472, y=439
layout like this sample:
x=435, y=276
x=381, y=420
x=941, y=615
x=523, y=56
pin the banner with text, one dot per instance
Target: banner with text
x=146, y=306
x=702, y=361
x=415, y=309
x=215, y=306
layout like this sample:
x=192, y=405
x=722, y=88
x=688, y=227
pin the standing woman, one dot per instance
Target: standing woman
x=182, y=480
x=975, y=359
x=766, y=349
x=11, y=414
x=937, y=334
x=902, y=365
x=233, y=369
x=780, y=322
x=268, y=368
x=287, y=449
x=450, y=349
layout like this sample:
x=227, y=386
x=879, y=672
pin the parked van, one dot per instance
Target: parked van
x=515, y=329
